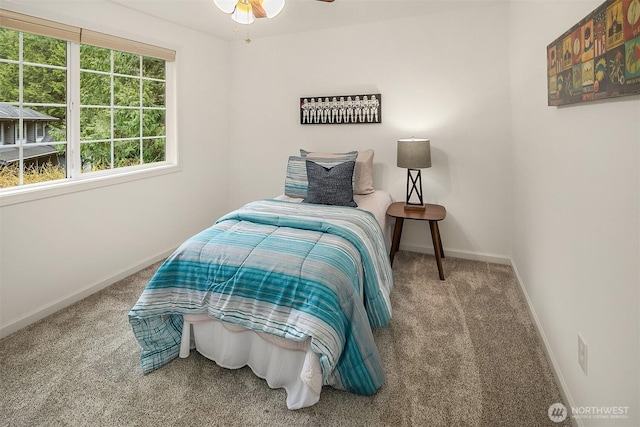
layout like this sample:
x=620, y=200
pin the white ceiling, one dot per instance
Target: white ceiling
x=297, y=16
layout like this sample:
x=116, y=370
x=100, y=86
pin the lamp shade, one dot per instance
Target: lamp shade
x=414, y=153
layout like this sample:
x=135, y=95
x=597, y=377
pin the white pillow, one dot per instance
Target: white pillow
x=363, y=175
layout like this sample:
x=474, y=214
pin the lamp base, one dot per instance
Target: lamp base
x=414, y=184
x=414, y=207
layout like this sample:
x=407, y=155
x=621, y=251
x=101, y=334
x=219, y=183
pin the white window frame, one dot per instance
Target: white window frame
x=87, y=181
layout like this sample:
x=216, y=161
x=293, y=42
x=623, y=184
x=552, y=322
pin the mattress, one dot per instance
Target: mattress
x=282, y=363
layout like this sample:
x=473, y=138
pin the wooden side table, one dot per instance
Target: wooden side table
x=431, y=213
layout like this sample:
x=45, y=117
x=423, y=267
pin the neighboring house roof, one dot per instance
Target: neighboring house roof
x=11, y=112
x=10, y=154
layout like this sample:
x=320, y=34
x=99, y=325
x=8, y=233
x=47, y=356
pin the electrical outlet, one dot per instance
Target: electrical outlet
x=582, y=354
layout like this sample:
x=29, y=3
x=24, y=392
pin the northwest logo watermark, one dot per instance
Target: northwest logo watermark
x=558, y=412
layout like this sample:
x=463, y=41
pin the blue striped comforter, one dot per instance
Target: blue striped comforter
x=289, y=269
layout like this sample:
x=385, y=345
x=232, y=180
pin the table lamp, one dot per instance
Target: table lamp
x=414, y=154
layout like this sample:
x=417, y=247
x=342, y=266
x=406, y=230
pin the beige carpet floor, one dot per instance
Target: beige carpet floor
x=459, y=352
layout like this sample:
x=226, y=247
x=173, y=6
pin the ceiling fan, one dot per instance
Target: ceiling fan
x=260, y=7
x=244, y=11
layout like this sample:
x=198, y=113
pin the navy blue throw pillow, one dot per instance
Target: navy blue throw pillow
x=330, y=186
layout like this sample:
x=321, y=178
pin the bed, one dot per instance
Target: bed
x=290, y=286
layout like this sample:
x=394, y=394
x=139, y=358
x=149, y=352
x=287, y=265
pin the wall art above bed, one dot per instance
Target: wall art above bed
x=341, y=109
x=597, y=58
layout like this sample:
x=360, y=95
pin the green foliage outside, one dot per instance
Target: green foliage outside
x=99, y=73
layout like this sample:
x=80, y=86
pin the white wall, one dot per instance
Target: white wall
x=56, y=250
x=441, y=76
x=576, y=217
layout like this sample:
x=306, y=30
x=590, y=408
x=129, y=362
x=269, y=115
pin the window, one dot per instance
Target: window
x=122, y=109
x=75, y=103
x=33, y=91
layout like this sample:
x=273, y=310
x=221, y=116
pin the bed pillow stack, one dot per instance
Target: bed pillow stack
x=363, y=173
x=296, y=180
x=329, y=178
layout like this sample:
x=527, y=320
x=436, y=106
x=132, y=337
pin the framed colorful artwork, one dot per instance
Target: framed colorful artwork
x=597, y=58
x=341, y=109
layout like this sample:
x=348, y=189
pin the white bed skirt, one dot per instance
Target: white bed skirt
x=282, y=363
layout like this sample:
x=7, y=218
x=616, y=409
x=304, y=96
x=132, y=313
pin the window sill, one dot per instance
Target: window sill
x=33, y=192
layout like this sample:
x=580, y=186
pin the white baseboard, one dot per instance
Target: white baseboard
x=555, y=368
x=67, y=300
x=455, y=253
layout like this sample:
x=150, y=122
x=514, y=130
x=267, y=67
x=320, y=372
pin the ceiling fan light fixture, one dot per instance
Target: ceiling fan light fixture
x=227, y=6
x=245, y=11
x=242, y=14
